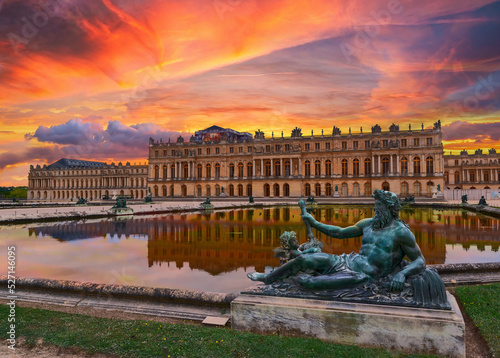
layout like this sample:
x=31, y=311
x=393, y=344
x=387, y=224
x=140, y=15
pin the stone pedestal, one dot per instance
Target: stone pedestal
x=412, y=330
x=336, y=194
x=438, y=195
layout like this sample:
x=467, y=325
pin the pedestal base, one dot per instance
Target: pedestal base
x=414, y=330
x=336, y=194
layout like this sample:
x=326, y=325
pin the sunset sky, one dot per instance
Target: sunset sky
x=95, y=79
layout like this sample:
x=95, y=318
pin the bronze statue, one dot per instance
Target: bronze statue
x=464, y=199
x=482, y=201
x=386, y=241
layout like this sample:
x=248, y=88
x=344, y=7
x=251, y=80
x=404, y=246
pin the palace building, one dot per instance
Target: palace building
x=473, y=171
x=224, y=162
x=69, y=179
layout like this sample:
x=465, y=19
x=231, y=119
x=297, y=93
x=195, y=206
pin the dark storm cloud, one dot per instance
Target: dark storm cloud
x=461, y=130
x=90, y=140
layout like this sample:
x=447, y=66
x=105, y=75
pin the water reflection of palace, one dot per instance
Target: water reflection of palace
x=225, y=241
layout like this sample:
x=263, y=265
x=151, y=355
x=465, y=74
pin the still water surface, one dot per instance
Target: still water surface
x=214, y=251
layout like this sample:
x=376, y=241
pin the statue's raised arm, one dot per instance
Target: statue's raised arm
x=331, y=230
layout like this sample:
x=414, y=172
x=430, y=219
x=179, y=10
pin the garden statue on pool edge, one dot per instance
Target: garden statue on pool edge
x=386, y=241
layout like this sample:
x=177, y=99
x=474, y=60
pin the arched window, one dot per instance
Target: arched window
x=345, y=190
x=417, y=188
x=164, y=190
x=457, y=177
x=486, y=176
x=217, y=170
x=355, y=189
x=267, y=190
x=446, y=177
x=157, y=172
x=429, y=165
x=155, y=190
x=344, y=166
x=328, y=167
x=429, y=188
x=404, y=188
x=416, y=165
x=249, y=170
x=307, y=168
x=240, y=170
x=267, y=168
x=240, y=190
x=472, y=176
x=208, y=171
x=185, y=171
x=355, y=168
x=385, y=165
x=276, y=190
x=404, y=166
x=307, y=189
x=277, y=168
x=385, y=186
x=172, y=172
x=368, y=166
x=231, y=170
x=249, y=190
x=317, y=189
x=286, y=189
x=165, y=170
x=328, y=189
x=208, y=190
x=217, y=189
x=183, y=190
x=317, y=168
x=287, y=168
x=199, y=171
x=368, y=189
x=231, y=190
x=198, y=191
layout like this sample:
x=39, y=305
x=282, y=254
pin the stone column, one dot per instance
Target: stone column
x=261, y=167
x=373, y=164
x=253, y=168
x=391, y=159
x=281, y=168
x=398, y=165
x=300, y=167
x=379, y=169
x=189, y=170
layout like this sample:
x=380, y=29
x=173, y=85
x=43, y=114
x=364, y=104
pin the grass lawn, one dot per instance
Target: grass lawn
x=482, y=304
x=134, y=338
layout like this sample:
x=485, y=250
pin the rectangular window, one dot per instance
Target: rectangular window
x=416, y=142
x=287, y=147
x=344, y=145
x=199, y=151
x=156, y=154
x=277, y=148
x=317, y=146
x=327, y=145
x=249, y=149
x=186, y=151
x=172, y=152
x=268, y=148
x=367, y=144
x=385, y=143
x=306, y=147
x=355, y=144
x=429, y=141
x=403, y=142
x=231, y=149
x=240, y=149
x=217, y=150
x=456, y=161
x=208, y=151
x=165, y=153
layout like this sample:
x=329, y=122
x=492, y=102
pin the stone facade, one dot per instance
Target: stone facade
x=472, y=171
x=69, y=179
x=408, y=162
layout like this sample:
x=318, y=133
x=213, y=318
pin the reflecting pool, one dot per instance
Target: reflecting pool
x=214, y=251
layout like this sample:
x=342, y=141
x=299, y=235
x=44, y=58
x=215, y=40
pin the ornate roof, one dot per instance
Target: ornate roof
x=65, y=163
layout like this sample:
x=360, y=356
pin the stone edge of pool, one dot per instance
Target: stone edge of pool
x=453, y=274
x=26, y=215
